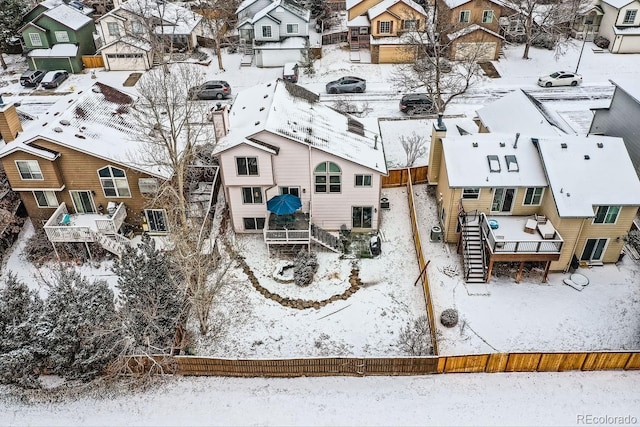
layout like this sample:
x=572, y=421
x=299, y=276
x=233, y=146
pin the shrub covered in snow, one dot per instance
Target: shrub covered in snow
x=305, y=267
x=601, y=42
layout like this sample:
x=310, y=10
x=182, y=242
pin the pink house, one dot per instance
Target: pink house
x=281, y=140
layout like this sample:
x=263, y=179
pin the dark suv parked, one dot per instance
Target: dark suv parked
x=31, y=78
x=417, y=103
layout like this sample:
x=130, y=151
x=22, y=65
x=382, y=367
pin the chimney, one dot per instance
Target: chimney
x=220, y=118
x=10, y=125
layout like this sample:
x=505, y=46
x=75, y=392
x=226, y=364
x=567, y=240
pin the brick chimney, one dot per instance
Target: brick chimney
x=9, y=122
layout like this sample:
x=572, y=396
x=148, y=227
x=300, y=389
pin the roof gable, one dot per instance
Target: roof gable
x=67, y=16
x=385, y=5
x=618, y=4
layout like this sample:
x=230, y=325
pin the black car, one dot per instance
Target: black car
x=53, y=79
x=214, y=89
x=31, y=78
x=417, y=103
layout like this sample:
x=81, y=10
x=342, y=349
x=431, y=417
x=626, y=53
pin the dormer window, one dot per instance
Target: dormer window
x=494, y=163
x=512, y=163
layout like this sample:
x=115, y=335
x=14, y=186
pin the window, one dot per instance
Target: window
x=62, y=36
x=251, y=195
x=363, y=180
x=630, y=16
x=46, y=199
x=266, y=31
x=361, y=217
x=113, y=29
x=83, y=201
x=247, y=165
x=533, y=196
x=487, y=16
x=384, y=27
x=606, y=214
x=156, y=220
x=292, y=29
x=136, y=27
x=410, y=25
x=35, y=39
x=465, y=15
x=114, y=182
x=471, y=193
x=494, y=163
x=593, y=249
x=253, y=223
x=512, y=163
x=502, y=199
x=29, y=169
x=294, y=191
x=327, y=178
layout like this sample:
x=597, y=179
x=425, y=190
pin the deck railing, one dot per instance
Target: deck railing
x=547, y=246
x=56, y=232
x=287, y=236
x=113, y=224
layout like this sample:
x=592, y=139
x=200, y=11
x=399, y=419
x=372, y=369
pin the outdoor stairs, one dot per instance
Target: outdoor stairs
x=324, y=238
x=114, y=243
x=246, y=49
x=157, y=60
x=354, y=52
x=474, y=262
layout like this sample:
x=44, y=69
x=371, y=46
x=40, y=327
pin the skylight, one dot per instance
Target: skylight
x=494, y=163
x=512, y=163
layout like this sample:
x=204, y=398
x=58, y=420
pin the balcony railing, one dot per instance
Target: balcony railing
x=65, y=227
x=534, y=245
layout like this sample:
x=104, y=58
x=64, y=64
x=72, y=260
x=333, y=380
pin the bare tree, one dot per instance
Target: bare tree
x=415, y=339
x=219, y=18
x=414, y=146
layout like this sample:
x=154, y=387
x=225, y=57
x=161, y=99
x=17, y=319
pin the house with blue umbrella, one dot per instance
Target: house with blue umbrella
x=297, y=171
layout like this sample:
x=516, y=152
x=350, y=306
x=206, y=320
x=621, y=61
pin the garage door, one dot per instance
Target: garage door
x=277, y=58
x=630, y=44
x=396, y=54
x=52, y=64
x=125, y=61
x=482, y=51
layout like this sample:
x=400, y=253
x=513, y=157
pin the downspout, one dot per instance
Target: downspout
x=71, y=65
x=575, y=245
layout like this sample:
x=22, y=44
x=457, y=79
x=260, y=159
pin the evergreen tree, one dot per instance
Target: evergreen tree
x=79, y=326
x=151, y=300
x=10, y=20
x=308, y=59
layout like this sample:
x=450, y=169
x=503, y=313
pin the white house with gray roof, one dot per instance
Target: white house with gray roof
x=281, y=140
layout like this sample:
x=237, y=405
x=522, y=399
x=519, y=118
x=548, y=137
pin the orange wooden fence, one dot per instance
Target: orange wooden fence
x=400, y=177
x=92, y=61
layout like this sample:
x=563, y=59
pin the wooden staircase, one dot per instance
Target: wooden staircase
x=473, y=249
x=114, y=243
x=326, y=239
x=246, y=49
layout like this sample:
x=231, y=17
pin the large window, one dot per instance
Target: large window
x=465, y=15
x=410, y=25
x=363, y=180
x=266, y=31
x=29, y=169
x=35, y=39
x=630, y=16
x=471, y=193
x=292, y=28
x=113, y=29
x=114, y=182
x=361, y=216
x=502, y=199
x=384, y=27
x=593, y=249
x=46, y=199
x=487, y=16
x=83, y=201
x=251, y=195
x=606, y=215
x=156, y=220
x=247, y=165
x=253, y=223
x=62, y=36
x=294, y=191
x=533, y=196
x=136, y=27
x=328, y=178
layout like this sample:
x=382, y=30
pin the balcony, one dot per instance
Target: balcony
x=65, y=227
x=287, y=229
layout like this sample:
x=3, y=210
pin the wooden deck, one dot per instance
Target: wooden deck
x=82, y=227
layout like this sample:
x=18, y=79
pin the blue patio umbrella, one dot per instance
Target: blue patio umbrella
x=284, y=204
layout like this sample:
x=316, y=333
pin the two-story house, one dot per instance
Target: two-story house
x=136, y=30
x=620, y=24
x=276, y=31
x=57, y=38
x=282, y=140
x=470, y=28
x=507, y=197
x=620, y=118
x=77, y=168
x=385, y=27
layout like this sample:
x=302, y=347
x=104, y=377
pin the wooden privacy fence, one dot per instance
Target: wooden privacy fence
x=400, y=177
x=92, y=61
x=422, y=264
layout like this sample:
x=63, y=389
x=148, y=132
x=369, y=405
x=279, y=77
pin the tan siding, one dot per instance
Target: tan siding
x=362, y=8
x=9, y=123
x=608, y=231
x=476, y=8
x=396, y=54
x=435, y=154
x=50, y=171
x=446, y=201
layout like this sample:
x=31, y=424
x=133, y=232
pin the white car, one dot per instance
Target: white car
x=560, y=78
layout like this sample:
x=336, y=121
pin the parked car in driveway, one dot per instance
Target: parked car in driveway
x=214, y=89
x=54, y=79
x=31, y=78
x=417, y=103
x=560, y=78
x=347, y=84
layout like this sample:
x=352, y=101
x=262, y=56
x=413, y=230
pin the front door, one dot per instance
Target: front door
x=362, y=217
x=503, y=199
x=593, y=249
x=83, y=201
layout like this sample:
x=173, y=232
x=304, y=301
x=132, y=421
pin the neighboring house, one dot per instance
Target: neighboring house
x=385, y=27
x=282, y=140
x=275, y=31
x=57, y=38
x=75, y=169
x=471, y=28
x=621, y=25
x=45, y=5
x=135, y=31
x=587, y=23
x=506, y=197
x=621, y=117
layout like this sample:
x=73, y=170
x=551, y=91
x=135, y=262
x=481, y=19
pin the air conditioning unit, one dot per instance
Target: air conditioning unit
x=148, y=185
x=384, y=203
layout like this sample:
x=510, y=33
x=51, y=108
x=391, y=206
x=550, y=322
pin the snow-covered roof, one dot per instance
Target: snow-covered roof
x=381, y=7
x=618, y=3
x=183, y=20
x=131, y=41
x=351, y=3
x=97, y=123
x=587, y=172
x=359, y=21
x=468, y=162
x=628, y=85
x=455, y=3
x=245, y=4
x=68, y=16
x=288, y=43
x=305, y=14
x=50, y=4
x=471, y=28
x=61, y=50
x=626, y=31
x=294, y=113
x=530, y=120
